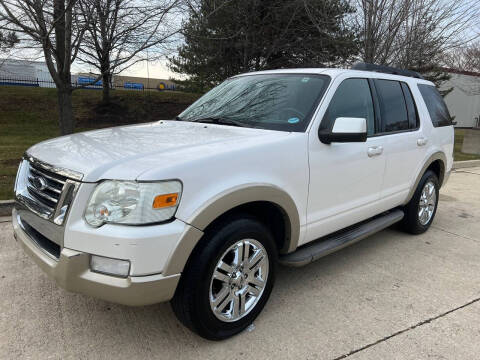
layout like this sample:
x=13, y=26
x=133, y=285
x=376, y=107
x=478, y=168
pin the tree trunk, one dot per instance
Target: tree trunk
x=106, y=88
x=65, y=111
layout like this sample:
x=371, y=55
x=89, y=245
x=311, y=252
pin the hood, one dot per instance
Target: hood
x=125, y=152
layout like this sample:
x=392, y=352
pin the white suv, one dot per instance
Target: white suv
x=269, y=167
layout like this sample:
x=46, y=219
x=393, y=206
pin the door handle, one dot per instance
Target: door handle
x=422, y=141
x=374, y=151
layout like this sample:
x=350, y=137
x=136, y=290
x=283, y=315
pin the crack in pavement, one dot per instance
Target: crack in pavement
x=452, y=233
x=427, y=321
x=466, y=172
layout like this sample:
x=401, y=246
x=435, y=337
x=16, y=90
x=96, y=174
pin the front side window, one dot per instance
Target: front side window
x=436, y=106
x=352, y=99
x=283, y=102
x=393, y=109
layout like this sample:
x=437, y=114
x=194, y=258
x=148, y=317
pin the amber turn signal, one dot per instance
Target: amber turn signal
x=166, y=200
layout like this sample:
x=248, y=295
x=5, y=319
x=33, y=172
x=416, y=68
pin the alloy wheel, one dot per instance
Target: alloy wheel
x=238, y=280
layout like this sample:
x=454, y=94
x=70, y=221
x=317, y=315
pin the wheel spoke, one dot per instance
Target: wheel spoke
x=257, y=282
x=238, y=253
x=223, y=304
x=259, y=265
x=235, y=306
x=246, y=251
x=253, y=290
x=254, y=258
x=225, y=267
x=221, y=276
x=220, y=297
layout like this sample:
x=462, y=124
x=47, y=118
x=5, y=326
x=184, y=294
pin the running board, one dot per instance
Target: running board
x=319, y=248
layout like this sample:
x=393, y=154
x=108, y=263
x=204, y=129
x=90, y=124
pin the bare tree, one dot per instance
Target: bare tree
x=378, y=23
x=55, y=27
x=412, y=33
x=465, y=58
x=121, y=31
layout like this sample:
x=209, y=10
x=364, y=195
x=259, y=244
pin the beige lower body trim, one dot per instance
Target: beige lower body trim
x=252, y=193
x=436, y=156
x=72, y=272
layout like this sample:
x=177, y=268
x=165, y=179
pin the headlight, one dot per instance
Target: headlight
x=133, y=203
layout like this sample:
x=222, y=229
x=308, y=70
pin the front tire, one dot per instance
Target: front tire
x=228, y=278
x=421, y=210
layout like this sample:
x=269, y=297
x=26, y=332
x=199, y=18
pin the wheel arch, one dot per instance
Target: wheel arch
x=437, y=163
x=248, y=199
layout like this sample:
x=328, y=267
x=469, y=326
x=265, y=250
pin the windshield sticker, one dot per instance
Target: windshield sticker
x=293, y=120
x=305, y=79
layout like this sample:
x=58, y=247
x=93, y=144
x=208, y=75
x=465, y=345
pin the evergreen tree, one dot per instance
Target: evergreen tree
x=225, y=38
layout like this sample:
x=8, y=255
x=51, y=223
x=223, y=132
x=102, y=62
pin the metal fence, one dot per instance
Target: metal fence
x=83, y=83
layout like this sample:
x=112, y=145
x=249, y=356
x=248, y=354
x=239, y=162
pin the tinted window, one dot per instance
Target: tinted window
x=392, y=106
x=352, y=99
x=436, y=106
x=271, y=101
x=411, y=108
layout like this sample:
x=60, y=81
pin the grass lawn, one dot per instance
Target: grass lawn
x=29, y=115
x=457, y=153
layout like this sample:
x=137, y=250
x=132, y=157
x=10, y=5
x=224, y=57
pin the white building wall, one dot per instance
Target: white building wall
x=25, y=72
x=464, y=100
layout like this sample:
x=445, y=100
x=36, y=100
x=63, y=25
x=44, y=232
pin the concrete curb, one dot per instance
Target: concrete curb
x=466, y=164
x=6, y=207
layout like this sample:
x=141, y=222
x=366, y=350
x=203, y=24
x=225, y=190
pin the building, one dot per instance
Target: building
x=24, y=72
x=464, y=100
x=131, y=82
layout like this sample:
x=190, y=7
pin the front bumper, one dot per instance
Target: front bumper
x=72, y=272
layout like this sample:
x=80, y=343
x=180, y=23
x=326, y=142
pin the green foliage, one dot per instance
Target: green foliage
x=225, y=38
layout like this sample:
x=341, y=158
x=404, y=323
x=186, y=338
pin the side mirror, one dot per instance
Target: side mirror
x=345, y=129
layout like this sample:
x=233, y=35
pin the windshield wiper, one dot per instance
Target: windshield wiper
x=219, y=121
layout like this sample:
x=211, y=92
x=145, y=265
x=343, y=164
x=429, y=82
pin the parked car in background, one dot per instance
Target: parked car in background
x=271, y=167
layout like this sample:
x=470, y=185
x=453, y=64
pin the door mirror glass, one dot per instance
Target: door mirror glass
x=345, y=129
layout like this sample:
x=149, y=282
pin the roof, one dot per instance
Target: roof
x=334, y=72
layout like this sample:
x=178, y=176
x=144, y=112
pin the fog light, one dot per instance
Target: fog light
x=109, y=266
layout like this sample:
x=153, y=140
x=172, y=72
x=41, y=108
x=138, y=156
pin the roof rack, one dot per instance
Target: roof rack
x=386, y=70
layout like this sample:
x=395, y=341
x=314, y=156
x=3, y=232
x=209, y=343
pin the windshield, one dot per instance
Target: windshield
x=274, y=101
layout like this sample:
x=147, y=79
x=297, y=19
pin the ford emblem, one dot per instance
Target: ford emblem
x=39, y=183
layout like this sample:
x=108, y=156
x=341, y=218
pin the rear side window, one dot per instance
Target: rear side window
x=411, y=108
x=393, y=107
x=436, y=106
x=351, y=99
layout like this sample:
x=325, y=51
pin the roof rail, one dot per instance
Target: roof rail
x=386, y=70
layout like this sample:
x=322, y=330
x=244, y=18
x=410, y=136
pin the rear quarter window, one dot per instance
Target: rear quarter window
x=436, y=106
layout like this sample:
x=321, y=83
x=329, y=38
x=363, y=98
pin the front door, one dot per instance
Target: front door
x=345, y=178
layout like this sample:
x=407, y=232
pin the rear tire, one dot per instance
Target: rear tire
x=421, y=210
x=228, y=278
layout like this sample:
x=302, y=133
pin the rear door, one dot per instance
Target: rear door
x=405, y=147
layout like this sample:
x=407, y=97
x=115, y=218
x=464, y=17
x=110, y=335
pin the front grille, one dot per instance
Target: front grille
x=46, y=190
x=45, y=187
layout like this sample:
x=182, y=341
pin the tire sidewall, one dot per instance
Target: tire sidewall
x=217, y=244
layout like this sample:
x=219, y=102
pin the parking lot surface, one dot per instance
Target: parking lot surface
x=390, y=296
